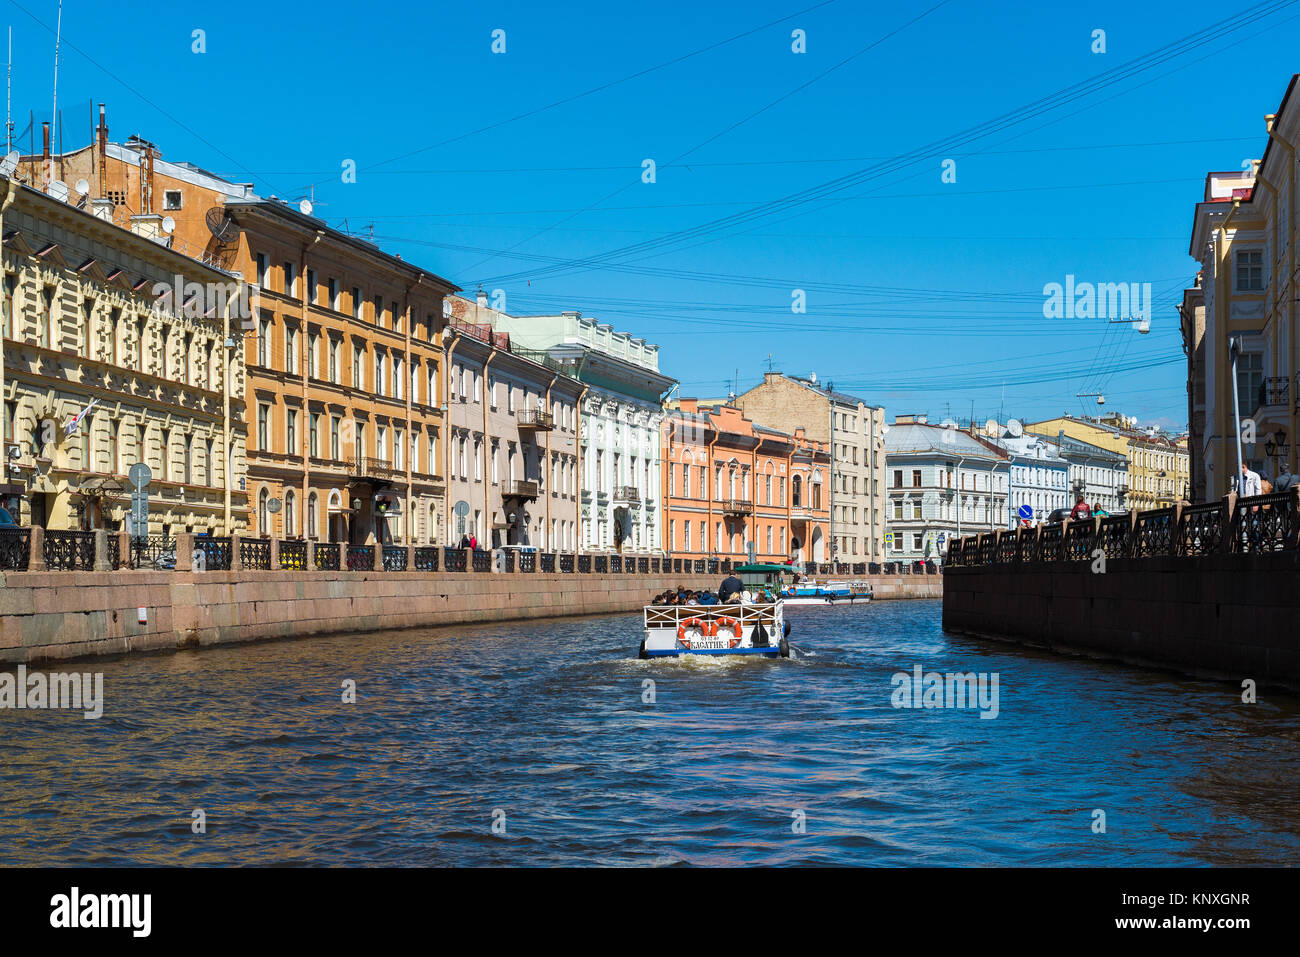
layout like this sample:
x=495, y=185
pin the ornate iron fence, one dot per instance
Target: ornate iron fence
x=1076, y=545
x=508, y=560
x=567, y=564
x=1008, y=550
x=426, y=558
x=527, y=562
x=548, y=563
x=1264, y=523
x=294, y=555
x=212, y=553
x=713, y=566
x=361, y=558
x=1114, y=538
x=584, y=564
x=482, y=560
x=453, y=559
x=255, y=553
x=643, y=565
x=114, y=551
x=700, y=566
x=656, y=565
x=1201, y=529
x=69, y=551
x=328, y=558
x=1154, y=534
x=15, y=548
x=394, y=558
x=1049, y=542
x=601, y=564
x=987, y=544
x=153, y=552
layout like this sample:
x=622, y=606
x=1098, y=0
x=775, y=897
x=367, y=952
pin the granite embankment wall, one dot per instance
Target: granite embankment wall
x=60, y=615
x=1228, y=616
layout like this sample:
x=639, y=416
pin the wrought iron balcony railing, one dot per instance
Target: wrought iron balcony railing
x=627, y=493
x=737, y=506
x=536, y=419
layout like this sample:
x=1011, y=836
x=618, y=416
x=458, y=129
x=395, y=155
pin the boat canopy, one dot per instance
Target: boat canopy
x=763, y=573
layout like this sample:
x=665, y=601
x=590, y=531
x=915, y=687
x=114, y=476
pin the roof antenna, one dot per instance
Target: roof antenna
x=9, y=97
x=58, y=33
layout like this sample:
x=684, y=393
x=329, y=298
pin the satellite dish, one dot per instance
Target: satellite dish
x=169, y=225
x=991, y=427
x=305, y=207
x=83, y=187
x=59, y=190
x=9, y=164
x=1015, y=428
x=948, y=424
x=221, y=224
x=1101, y=400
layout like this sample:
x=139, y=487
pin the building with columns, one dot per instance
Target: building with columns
x=342, y=342
x=621, y=506
x=103, y=365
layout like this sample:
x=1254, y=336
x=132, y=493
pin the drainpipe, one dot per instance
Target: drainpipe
x=11, y=194
x=308, y=295
x=409, y=388
x=957, y=489
x=448, y=434
x=577, y=531
x=487, y=445
x=546, y=406
x=1234, y=349
x=709, y=485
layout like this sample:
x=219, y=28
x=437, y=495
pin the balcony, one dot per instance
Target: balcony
x=627, y=493
x=737, y=506
x=537, y=419
x=366, y=467
x=519, y=488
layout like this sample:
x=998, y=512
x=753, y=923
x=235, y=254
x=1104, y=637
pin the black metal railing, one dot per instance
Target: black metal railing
x=548, y=563
x=361, y=558
x=528, y=562
x=394, y=558
x=328, y=557
x=482, y=560
x=114, y=551
x=15, y=548
x=426, y=558
x=68, y=550
x=584, y=564
x=601, y=564
x=1255, y=525
x=508, y=560
x=255, y=553
x=453, y=559
x=212, y=553
x=566, y=564
x=293, y=554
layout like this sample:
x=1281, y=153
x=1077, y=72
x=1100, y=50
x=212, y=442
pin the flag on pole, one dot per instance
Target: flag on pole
x=75, y=422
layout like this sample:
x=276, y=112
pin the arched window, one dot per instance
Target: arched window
x=796, y=489
x=290, y=513
x=313, y=506
x=432, y=530
x=263, y=519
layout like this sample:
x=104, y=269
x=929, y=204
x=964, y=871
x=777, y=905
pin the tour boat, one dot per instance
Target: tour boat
x=756, y=628
x=809, y=592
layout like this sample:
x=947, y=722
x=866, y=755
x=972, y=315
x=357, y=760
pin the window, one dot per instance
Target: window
x=333, y=286
x=335, y=347
x=171, y=199
x=88, y=326
x=358, y=351
x=290, y=280
x=796, y=490
x=263, y=264
x=1250, y=270
x=334, y=437
x=290, y=513
x=916, y=541
x=313, y=506
x=397, y=317
x=47, y=331
x=263, y=427
x=379, y=372
x=313, y=427
x=310, y=291
x=898, y=478
x=189, y=459
x=11, y=286
x=313, y=355
x=916, y=478
x=264, y=343
x=291, y=351
x=898, y=509
x=291, y=431
x=357, y=303
x=1250, y=380
x=378, y=316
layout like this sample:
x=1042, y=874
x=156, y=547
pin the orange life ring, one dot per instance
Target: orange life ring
x=692, y=622
x=736, y=628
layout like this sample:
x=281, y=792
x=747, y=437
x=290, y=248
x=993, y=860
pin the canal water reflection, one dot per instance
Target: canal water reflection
x=543, y=727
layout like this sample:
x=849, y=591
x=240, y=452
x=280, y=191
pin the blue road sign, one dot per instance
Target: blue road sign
x=1026, y=511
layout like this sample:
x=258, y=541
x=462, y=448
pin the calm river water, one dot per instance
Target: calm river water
x=542, y=727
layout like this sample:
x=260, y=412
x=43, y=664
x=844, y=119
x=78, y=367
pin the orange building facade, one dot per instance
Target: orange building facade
x=342, y=345
x=730, y=483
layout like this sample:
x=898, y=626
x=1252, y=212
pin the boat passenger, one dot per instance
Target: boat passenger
x=708, y=598
x=731, y=585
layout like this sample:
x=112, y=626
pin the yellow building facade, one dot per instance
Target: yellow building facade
x=1157, y=464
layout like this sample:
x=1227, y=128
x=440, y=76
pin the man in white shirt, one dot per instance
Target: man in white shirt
x=1250, y=483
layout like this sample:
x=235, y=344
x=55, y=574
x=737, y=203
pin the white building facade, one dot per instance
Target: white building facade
x=621, y=427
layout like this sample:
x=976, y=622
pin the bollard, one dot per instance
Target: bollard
x=236, y=561
x=184, y=551
x=36, y=550
x=102, y=564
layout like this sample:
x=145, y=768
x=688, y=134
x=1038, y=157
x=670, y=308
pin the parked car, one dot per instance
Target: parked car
x=7, y=520
x=1058, y=515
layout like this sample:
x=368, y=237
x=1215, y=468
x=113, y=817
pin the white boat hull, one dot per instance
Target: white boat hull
x=672, y=631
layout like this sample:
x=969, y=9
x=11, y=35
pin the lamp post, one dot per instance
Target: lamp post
x=1234, y=350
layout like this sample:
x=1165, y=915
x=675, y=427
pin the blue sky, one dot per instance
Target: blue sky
x=921, y=295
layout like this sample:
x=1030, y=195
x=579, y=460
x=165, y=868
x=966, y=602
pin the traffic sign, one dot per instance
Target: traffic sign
x=140, y=514
x=461, y=508
x=140, y=475
x=1026, y=511
x=889, y=538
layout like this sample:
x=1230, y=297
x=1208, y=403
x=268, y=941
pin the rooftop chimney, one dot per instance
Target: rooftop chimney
x=101, y=142
x=45, y=140
x=482, y=298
